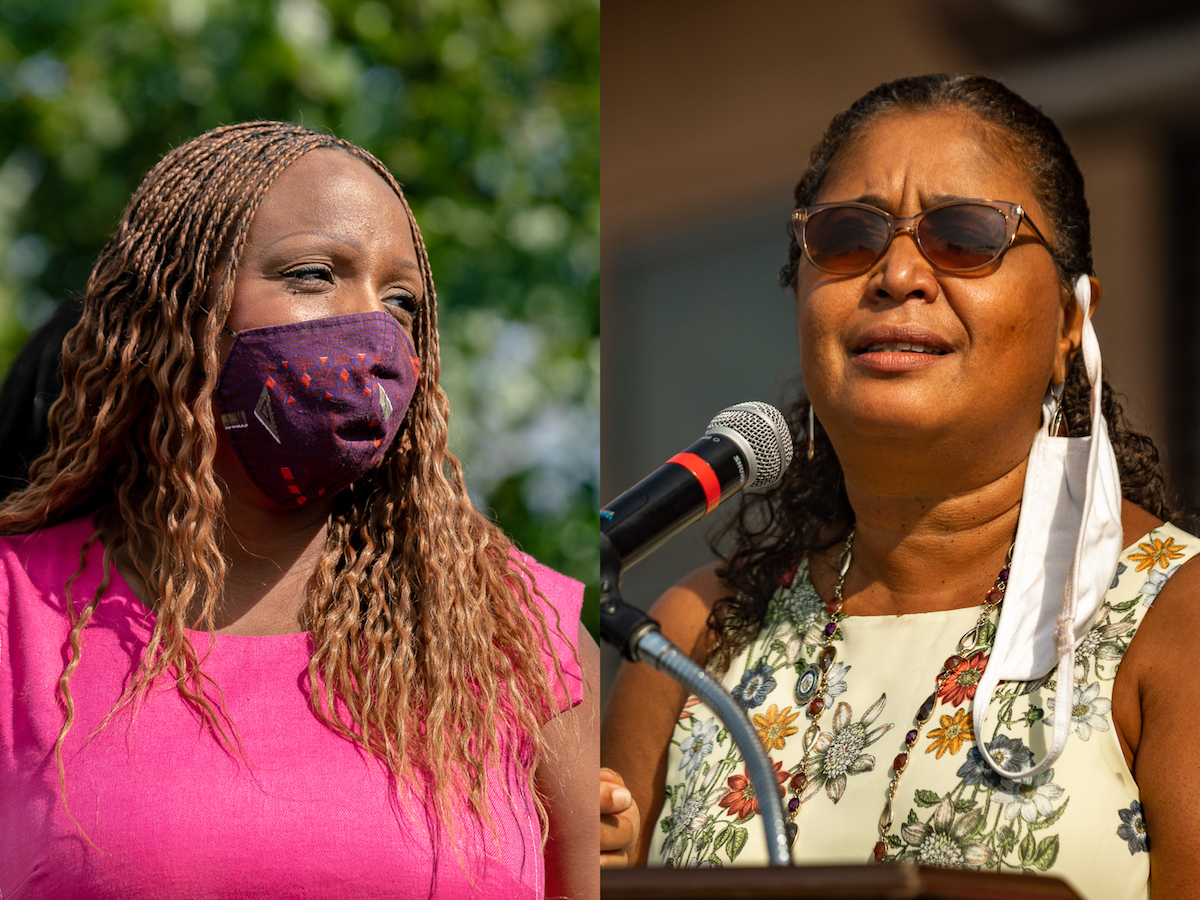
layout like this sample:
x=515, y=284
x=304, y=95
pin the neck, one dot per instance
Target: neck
x=924, y=551
x=270, y=557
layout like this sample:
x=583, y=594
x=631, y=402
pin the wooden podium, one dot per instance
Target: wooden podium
x=867, y=882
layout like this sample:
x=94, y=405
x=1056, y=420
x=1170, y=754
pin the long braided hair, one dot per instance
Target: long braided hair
x=424, y=630
x=809, y=510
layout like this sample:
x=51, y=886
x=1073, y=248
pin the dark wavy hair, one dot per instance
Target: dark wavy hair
x=809, y=510
x=424, y=629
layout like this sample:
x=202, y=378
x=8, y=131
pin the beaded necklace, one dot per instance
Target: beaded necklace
x=813, y=682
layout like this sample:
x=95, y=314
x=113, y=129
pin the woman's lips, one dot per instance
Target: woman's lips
x=902, y=347
x=898, y=356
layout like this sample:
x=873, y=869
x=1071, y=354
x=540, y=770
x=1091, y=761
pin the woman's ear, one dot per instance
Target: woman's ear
x=1071, y=329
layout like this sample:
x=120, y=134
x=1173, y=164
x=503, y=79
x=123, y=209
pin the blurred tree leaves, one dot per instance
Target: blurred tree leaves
x=486, y=110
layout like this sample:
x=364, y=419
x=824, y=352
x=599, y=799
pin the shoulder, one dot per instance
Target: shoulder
x=1157, y=687
x=559, y=600
x=1171, y=555
x=560, y=591
x=559, y=597
x=1165, y=557
x=1136, y=523
x=1158, y=671
x=41, y=561
x=683, y=610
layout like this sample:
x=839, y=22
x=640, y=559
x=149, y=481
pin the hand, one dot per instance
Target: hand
x=620, y=822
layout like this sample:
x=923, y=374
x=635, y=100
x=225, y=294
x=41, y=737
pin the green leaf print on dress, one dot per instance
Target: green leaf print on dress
x=987, y=821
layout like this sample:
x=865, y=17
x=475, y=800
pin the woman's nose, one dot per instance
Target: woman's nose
x=358, y=295
x=905, y=273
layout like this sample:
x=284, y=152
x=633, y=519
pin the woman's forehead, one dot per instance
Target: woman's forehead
x=927, y=155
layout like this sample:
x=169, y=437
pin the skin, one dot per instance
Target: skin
x=564, y=781
x=928, y=537
x=332, y=238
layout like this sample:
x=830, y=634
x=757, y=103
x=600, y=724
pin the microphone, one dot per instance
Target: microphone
x=745, y=446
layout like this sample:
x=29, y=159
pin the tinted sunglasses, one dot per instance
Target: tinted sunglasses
x=958, y=236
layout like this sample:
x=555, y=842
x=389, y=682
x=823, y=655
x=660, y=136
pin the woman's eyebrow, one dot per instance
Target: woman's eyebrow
x=339, y=238
x=935, y=199
x=931, y=199
x=872, y=200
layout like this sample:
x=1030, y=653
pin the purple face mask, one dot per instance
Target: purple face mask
x=311, y=406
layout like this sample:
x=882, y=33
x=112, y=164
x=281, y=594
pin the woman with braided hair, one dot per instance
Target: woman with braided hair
x=255, y=641
x=931, y=621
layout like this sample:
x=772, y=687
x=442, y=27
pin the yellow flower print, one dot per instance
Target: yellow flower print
x=955, y=729
x=775, y=727
x=1162, y=552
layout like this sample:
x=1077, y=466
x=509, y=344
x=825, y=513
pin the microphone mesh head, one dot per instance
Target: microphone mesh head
x=765, y=430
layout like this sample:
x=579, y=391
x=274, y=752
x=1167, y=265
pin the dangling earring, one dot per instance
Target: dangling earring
x=810, y=437
x=1058, y=422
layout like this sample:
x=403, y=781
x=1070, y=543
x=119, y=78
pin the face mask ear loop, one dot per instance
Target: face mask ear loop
x=229, y=331
x=1065, y=626
x=1058, y=421
x=1065, y=632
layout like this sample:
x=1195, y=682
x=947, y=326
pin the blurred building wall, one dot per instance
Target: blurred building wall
x=708, y=113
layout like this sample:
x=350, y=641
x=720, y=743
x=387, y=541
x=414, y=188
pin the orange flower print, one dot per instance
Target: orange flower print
x=961, y=682
x=775, y=727
x=1161, y=552
x=951, y=735
x=741, y=801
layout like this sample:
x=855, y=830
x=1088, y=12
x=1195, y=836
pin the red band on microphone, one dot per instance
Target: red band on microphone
x=704, y=474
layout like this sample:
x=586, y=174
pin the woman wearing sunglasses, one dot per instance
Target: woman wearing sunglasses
x=956, y=623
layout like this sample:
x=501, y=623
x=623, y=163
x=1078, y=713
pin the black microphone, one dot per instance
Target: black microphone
x=745, y=446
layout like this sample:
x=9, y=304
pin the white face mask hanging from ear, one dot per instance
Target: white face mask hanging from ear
x=1068, y=540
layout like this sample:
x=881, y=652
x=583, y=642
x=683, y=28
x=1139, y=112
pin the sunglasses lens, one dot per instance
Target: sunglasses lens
x=967, y=236
x=845, y=239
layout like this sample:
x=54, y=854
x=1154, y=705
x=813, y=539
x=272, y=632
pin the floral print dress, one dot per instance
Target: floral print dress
x=1081, y=820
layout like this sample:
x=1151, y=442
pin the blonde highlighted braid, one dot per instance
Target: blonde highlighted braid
x=424, y=631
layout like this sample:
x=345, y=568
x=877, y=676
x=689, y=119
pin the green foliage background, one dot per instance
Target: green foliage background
x=487, y=111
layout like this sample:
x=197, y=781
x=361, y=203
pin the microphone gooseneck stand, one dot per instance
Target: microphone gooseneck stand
x=639, y=639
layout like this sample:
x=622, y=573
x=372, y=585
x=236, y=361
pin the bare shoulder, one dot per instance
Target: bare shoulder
x=1141, y=658
x=1157, y=670
x=1136, y=522
x=683, y=610
x=1171, y=629
x=1175, y=612
x=1158, y=684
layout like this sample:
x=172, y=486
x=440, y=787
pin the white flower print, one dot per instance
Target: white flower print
x=794, y=646
x=1028, y=798
x=943, y=841
x=697, y=745
x=835, y=684
x=1154, y=582
x=1088, y=711
x=839, y=754
x=798, y=603
x=684, y=820
x=1104, y=642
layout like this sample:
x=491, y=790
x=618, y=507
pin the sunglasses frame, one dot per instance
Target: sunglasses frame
x=1013, y=214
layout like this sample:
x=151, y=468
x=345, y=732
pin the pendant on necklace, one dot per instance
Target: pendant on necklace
x=806, y=685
